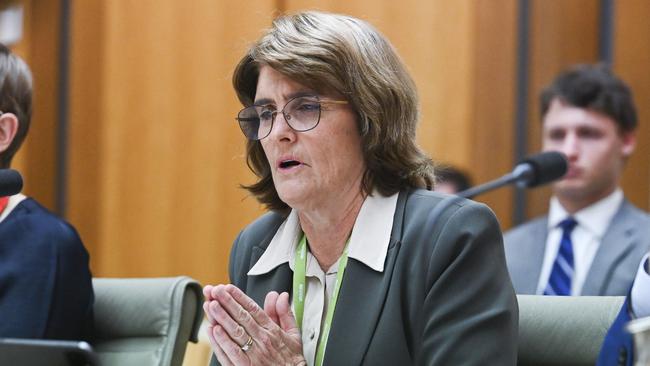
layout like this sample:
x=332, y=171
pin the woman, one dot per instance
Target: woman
x=349, y=265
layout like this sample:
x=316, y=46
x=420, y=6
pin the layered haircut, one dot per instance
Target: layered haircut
x=596, y=88
x=347, y=56
x=15, y=97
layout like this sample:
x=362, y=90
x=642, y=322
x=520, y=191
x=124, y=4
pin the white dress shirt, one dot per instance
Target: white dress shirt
x=368, y=244
x=13, y=202
x=586, y=237
x=640, y=296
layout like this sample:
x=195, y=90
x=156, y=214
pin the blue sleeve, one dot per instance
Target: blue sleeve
x=617, y=347
x=72, y=298
x=45, y=280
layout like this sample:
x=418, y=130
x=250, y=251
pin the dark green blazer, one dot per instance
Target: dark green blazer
x=444, y=297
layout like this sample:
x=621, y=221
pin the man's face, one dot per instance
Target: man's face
x=595, y=148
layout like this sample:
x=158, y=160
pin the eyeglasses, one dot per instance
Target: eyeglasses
x=302, y=113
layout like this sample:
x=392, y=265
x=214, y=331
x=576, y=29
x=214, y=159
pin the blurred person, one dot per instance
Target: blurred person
x=591, y=242
x=349, y=267
x=451, y=180
x=45, y=281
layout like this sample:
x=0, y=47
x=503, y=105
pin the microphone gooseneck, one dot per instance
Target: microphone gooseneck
x=532, y=171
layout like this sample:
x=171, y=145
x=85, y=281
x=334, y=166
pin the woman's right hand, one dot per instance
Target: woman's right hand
x=241, y=333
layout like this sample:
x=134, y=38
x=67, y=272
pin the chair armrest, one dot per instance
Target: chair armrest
x=145, y=321
x=564, y=330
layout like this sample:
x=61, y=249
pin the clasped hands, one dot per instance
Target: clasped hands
x=242, y=333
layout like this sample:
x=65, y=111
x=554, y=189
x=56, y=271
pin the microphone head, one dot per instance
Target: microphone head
x=11, y=182
x=546, y=167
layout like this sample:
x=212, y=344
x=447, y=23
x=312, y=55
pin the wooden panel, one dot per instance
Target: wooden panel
x=164, y=152
x=631, y=60
x=562, y=33
x=492, y=121
x=39, y=47
x=84, y=181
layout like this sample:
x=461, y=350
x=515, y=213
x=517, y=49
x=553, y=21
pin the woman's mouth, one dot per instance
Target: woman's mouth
x=288, y=164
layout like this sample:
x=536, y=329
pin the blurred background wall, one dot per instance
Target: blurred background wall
x=134, y=139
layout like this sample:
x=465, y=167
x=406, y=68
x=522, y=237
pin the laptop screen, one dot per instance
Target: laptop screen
x=37, y=352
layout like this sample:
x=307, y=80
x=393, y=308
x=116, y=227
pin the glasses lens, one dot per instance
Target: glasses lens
x=255, y=121
x=304, y=113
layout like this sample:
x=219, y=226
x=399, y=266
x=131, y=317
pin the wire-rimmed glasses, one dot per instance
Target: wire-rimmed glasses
x=302, y=113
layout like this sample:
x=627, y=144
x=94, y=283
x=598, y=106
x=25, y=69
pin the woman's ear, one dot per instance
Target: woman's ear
x=8, y=128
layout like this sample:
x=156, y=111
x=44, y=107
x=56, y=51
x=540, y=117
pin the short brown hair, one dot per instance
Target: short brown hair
x=15, y=97
x=331, y=52
x=593, y=87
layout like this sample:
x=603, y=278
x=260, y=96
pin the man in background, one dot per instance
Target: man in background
x=451, y=180
x=45, y=282
x=593, y=239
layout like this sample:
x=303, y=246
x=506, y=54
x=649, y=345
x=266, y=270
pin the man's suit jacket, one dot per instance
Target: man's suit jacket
x=612, y=271
x=444, y=297
x=45, y=282
x=617, y=349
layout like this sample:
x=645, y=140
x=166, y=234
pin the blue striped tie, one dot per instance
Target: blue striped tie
x=559, y=283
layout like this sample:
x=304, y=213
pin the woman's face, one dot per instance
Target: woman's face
x=315, y=168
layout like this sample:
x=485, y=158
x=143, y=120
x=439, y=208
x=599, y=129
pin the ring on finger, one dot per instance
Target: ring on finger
x=248, y=344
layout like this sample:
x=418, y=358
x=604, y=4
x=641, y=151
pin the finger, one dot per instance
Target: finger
x=287, y=319
x=216, y=349
x=231, y=350
x=270, y=307
x=216, y=289
x=207, y=292
x=206, y=310
x=250, y=308
x=236, y=332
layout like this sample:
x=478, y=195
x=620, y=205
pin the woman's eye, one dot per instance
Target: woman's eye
x=308, y=107
x=266, y=115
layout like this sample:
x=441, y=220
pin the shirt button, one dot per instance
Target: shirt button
x=312, y=334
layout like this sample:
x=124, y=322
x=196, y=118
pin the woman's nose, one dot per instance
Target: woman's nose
x=281, y=129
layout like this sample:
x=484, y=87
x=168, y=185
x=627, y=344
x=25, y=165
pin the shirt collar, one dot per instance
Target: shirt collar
x=368, y=242
x=595, y=218
x=13, y=202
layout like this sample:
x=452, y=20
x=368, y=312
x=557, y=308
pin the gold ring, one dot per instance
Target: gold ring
x=248, y=344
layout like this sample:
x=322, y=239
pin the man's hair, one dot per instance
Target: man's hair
x=456, y=177
x=596, y=88
x=15, y=97
x=345, y=55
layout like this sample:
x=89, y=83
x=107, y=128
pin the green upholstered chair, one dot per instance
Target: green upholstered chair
x=145, y=321
x=564, y=330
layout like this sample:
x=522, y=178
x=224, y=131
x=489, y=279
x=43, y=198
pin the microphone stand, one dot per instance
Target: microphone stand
x=486, y=187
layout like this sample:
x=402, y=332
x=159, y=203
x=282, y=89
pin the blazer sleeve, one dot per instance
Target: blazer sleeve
x=45, y=282
x=72, y=298
x=617, y=348
x=470, y=309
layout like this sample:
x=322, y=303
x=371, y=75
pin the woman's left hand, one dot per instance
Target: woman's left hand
x=242, y=333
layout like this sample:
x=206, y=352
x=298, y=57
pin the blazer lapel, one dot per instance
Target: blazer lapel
x=618, y=240
x=280, y=280
x=534, y=251
x=361, y=299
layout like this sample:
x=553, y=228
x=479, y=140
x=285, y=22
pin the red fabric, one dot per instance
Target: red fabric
x=3, y=203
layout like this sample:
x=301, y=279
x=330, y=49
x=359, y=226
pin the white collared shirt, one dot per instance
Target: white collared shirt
x=586, y=237
x=640, y=296
x=13, y=202
x=368, y=244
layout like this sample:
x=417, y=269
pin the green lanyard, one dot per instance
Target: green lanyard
x=299, y=290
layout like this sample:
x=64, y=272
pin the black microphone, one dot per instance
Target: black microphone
x=11, y=182
x=531, y=172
